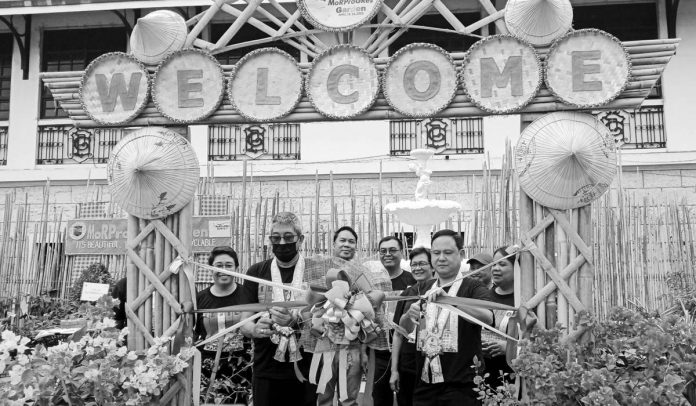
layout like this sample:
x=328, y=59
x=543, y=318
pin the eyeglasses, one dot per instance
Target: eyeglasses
x=225, y=265
x=419, y=265
x=288, y=238
x=390, y=251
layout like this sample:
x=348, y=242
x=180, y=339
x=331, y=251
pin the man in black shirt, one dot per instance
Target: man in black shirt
x=448, y=344
x=279, y=377
x=119, y=292
x=390, y=254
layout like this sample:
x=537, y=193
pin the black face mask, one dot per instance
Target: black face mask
x=285, y=252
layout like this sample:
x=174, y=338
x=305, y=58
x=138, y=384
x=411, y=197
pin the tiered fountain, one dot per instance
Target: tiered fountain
x=422, y=213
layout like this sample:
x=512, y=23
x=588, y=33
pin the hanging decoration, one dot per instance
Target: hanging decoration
x=157, y=35
x=538, y=22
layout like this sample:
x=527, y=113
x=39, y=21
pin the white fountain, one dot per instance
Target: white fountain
x=422, y=213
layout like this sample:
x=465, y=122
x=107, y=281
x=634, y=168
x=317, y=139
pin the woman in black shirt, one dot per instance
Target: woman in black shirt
x=233, y=367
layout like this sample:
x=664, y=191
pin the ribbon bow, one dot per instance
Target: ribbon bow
x=343, y=315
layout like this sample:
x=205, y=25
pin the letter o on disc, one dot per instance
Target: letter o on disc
x=587, y=68
x=114, y=88
x=343, y=82
x=420, y=80
x=501, y=74
x=266, y=84
x=188, y=86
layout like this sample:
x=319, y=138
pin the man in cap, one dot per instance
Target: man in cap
x=479, y=261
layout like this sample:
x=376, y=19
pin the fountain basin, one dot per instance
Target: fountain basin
x=423, y=215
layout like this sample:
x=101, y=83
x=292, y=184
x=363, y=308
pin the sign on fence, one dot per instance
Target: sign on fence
x=108, y=236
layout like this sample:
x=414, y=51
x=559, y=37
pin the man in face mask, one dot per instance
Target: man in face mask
x=277, y=372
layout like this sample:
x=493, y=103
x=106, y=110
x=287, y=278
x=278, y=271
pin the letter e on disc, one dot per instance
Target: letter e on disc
x=188, y=86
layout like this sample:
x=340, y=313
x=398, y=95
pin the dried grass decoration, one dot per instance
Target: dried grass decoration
x=153, y=172
x=157, y=35
x=501, y=74
x=538, y=22
x=565, y=160
x=597, y=63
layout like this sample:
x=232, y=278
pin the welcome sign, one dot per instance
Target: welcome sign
x=501, y=75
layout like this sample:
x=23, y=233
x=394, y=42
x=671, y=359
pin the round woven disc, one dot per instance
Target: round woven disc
x=565, y=160
x=267, y=84
x=114, y=88
x=491, y=74
x=343, y=82
x=157, y=35
x=188, y=86
x=420, y=80
x=538, y=22
x=587, y=68
x=153, y=172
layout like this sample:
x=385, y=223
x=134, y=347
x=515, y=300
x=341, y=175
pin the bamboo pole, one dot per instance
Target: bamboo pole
x=526, y=282
x=135, y=340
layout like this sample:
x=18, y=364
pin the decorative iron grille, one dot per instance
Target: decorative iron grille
x=256, y=141
x=642, y=128
x=3, y=145
x=65, y=144
x=446, y=136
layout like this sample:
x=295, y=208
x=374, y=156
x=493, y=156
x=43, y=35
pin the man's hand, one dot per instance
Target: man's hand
x=493, y=348
x=263, y=329
x=394, y=381
x=364, y=358
x=437, y=292
x=281, y=316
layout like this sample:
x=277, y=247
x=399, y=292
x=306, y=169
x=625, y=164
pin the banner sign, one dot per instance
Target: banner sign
x=210, y=232
x=500, y=74
x=109, y=236
x=96, y=237
x=338, y=15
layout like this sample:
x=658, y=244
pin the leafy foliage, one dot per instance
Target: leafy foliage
x=93, y=368
x=632, y=358
x=95, y=273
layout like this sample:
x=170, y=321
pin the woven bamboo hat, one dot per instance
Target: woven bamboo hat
x=153, y=172
x=157, y=35
x=565, y=160
x=538, y=22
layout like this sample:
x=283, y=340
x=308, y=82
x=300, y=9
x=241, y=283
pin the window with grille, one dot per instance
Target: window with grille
x=449, y=42
x=248, y=33
x=74, y=49
x=6, y=43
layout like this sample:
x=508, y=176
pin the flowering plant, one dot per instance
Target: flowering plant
x=92, y=368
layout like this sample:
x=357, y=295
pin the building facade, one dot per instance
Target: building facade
x=362, y=158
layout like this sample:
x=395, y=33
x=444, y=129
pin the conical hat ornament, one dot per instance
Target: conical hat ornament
x=157, y=35
x=565, y=160
x=153, y=172
x=538, y=22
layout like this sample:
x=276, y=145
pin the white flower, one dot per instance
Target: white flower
x=16, y=374
x=92, y=374
x=29, y=392
x=108, y=322
x=132, y=356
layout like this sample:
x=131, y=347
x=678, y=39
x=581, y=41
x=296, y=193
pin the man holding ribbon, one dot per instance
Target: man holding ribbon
x=446, y=343
x=280, y=365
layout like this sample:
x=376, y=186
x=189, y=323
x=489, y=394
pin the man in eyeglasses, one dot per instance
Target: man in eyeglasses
x=390, y=254
x=279, y=376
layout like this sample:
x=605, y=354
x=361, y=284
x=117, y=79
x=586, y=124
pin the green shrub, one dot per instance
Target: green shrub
x=632, y=358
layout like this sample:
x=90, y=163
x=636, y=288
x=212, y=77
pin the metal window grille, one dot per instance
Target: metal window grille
x=65, y=144
x=74, y=49
x=446, y=136
x=6, y=42
x=642, y=128
x=255, y=141
x=3, y=145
